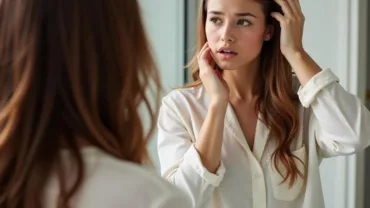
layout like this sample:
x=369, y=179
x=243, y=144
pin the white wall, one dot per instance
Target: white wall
x=334, y=36
x=321, y=42
x=367, y=155
x=164, y=24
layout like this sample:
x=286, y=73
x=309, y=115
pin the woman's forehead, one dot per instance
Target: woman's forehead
x=234, y=6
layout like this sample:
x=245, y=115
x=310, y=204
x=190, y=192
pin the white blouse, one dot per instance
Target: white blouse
x=332, y=122
x=110, y=182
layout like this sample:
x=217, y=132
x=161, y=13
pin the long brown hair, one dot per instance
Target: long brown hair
x=277, y=101
x=70, y=71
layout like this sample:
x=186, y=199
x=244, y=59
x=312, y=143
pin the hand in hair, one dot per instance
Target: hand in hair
x=291, y=22
x=291, y=40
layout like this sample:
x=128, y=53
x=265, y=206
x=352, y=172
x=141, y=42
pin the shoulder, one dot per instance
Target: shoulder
x=183, y=97
x=126, y=173
x=185, y=92
x=115, y=183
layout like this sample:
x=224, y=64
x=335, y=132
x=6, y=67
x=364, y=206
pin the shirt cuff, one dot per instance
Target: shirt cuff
x=307, y=93
x=192, y=157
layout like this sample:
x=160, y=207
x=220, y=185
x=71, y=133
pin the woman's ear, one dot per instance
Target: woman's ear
x=269, y=32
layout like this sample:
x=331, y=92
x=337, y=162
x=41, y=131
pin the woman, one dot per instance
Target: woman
x=73, y=75
x=239, y=136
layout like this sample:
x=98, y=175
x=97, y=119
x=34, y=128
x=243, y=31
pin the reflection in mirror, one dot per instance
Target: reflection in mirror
x=240, y=118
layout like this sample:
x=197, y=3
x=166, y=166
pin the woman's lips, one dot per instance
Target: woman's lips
x=227, y=55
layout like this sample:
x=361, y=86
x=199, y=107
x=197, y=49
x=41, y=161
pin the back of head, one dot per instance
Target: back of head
x=72, y=72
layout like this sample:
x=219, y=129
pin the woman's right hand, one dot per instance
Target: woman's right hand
x=212, y=80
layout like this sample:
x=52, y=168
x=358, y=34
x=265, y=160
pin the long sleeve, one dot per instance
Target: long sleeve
x=340, y=121
x=179, y=160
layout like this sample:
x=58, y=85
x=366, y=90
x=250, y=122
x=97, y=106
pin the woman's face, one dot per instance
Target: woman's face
x=235, y=31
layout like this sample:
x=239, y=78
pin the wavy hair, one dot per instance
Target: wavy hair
x=72, y=72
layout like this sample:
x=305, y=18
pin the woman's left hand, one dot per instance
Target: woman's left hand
x=291, y=24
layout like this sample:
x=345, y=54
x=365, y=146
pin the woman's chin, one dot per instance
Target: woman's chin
x=227, y=67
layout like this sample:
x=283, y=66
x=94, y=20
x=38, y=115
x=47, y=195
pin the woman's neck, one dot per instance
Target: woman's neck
x=242, y=82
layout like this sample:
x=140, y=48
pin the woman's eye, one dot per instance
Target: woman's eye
x=215, y=20
x=244, y=22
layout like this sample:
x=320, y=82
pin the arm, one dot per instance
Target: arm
x=341, y=123
x=181, y=162
x=209, y=143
